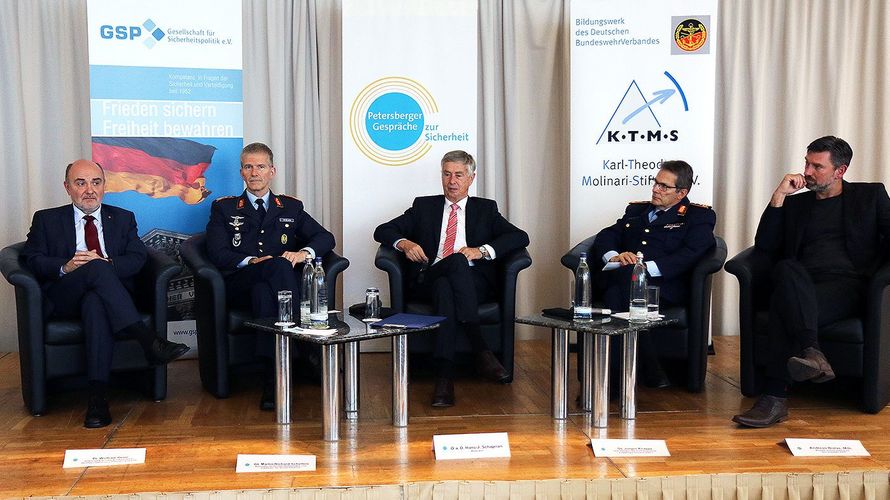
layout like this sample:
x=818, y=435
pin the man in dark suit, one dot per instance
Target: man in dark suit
x=85, y=256
x=452, y=241
x=673, y=234
x=827, y=241
x=260, y=241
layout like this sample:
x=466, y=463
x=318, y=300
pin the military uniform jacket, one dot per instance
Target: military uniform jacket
x=675, y=240
x=235, y=230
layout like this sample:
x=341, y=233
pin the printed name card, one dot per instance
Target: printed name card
x=629, y=448
x=463, y=446
x=826, y=447
x=103, y=457
x=275, y=463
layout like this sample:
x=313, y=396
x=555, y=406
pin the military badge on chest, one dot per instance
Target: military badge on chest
x=236, y=223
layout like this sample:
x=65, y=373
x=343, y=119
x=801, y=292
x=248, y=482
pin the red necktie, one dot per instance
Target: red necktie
x=450, y=231
x=91, y=234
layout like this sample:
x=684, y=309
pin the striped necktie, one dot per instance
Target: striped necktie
x=450, y=231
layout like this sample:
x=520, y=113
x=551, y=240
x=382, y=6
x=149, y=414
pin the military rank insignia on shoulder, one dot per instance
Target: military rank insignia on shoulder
x=699, y=205
x=641, y=202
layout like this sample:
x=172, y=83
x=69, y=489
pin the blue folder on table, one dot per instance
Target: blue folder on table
x=405, y=320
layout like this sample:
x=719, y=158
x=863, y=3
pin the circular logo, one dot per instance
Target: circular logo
x=690, y=35
x=387, y=120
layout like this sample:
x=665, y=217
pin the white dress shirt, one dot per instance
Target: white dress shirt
x=80, y=237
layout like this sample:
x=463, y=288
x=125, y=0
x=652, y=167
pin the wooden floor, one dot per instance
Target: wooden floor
x=192, y=438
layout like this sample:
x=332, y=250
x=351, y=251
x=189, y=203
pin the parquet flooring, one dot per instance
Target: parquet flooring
x=192, y=438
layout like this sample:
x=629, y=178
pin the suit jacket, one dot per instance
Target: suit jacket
x=52, y=242
x=235, y=230
x=675, y=240
x=866, y=224
x=422, y=224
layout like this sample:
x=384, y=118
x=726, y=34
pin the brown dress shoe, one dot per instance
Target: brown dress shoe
x=768, y=410
x=443, y=394
x=489, y=367
x=812, y=366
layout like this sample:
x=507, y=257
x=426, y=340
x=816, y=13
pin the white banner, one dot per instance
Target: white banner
x=409, y=96
x=642, y=92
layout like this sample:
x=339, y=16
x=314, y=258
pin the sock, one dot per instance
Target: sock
x=776, y=388
x=444, y=368
x=98, y=389
x=141, y=333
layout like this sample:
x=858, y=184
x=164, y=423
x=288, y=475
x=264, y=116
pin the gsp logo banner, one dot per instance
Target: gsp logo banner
x=409, y=96
x=642, y=92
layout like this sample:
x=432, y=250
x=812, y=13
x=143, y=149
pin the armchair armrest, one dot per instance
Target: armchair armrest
x=511, y=265
x=876, y=351
x=155, y=276
x=389, y=260
x=700, y=285
x=333, y=265
x=571, y=259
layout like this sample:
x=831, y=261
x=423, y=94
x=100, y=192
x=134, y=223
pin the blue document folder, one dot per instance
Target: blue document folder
x=405, y=320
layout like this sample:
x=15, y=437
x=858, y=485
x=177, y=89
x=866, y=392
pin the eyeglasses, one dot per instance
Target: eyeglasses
x=660, y=186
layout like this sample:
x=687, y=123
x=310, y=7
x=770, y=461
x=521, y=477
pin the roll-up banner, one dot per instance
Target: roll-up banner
x=167, y=119
x=409, y=96
x=643, y=77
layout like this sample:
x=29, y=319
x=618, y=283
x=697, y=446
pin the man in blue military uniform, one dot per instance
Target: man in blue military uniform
x=673, y=234
x=259, y=241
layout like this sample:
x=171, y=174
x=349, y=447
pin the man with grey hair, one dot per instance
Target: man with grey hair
x=452, y=241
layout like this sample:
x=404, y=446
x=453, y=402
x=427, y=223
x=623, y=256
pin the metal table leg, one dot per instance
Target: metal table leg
x=586, y=370
x=601, y=381
x=350, y=380
x=282, y=379
x=559, y=373
x=400, y=380
x=330, y=392
x=628, y=407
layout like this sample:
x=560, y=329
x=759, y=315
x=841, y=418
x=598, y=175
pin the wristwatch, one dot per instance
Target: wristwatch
x=484, y=252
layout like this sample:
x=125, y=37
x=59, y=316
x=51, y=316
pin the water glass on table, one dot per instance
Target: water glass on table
x=285, y=308
x=652, y=302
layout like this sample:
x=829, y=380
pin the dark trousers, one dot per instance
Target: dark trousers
x=95, y=294
x=801, y=303
x=456, y=290
x=260, y=284
x=614, y=287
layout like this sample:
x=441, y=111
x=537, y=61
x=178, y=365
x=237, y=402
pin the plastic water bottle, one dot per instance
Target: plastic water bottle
x=306, y=291
x=638, y=302
x=582, y=310
x=318, y=305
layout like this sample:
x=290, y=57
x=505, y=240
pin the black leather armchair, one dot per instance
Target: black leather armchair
x=855, y=347
x=496, y=318
x=53, y=350
x=223, y=341
x=689, y=338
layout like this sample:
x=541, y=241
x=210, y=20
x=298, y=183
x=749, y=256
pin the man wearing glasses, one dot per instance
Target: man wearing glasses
x=673, y=235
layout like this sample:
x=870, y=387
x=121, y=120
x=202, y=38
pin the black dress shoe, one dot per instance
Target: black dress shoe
x=443, y=394
x=267, y=399
x=98, y=414
x=811, y=366
x=489, y=367
x=163, y=351
x=768, y=410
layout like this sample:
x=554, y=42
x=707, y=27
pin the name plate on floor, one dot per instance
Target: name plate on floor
x=275, y=463
x=103, y=457
x=629, y=448
x=463, y=446
x=826, y=447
